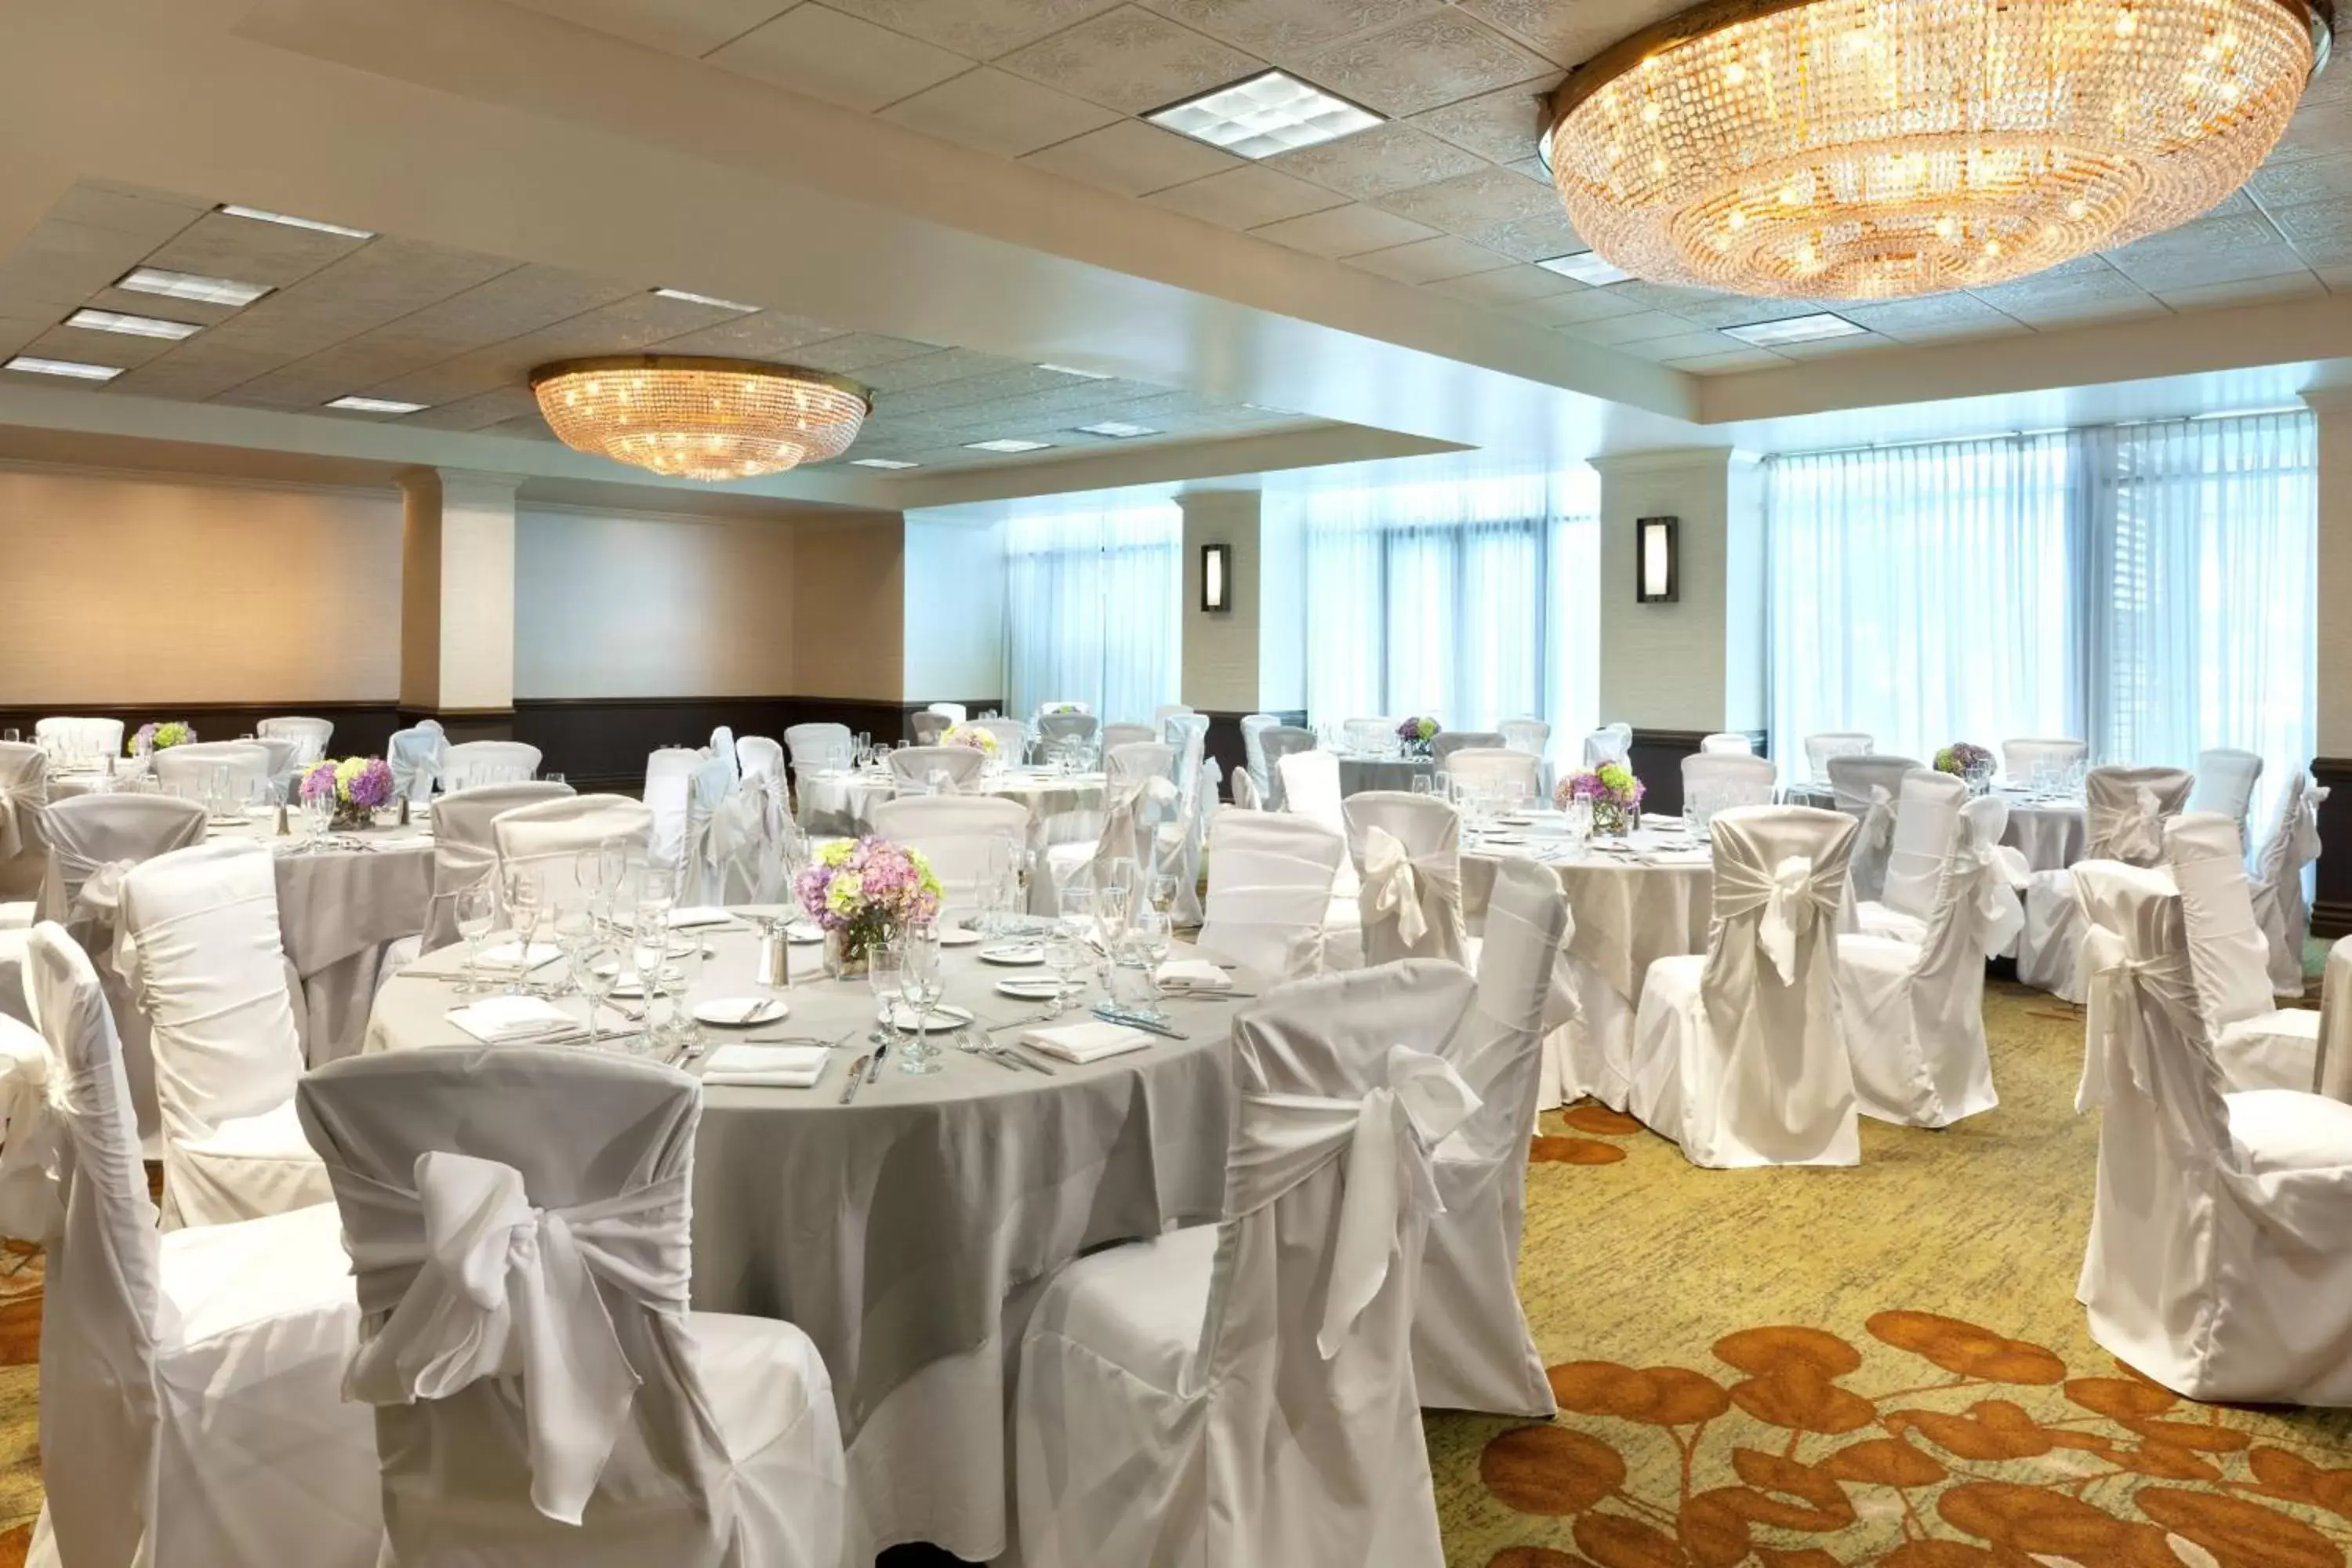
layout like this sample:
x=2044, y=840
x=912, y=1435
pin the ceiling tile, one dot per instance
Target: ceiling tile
x=1245, y=197
x=1376, y=162
x=1422, y=64
x=144, y=216
x=251, y=250
x=770, y=334
x=1630, y=328
x=2050, y=299
x=857, y=351
x=1486, y=196
x=968, y=389
x=1499, y=126
x=478, y=412
x=61, y=265
x=1506, y=287
x=1578, y=303
x=2321, y=232
x=2298, y=284
x=1275, y=28
x=1568, y=32
x=1131, y=159
x=821, y=53
x=693, y=28
x=1678, y=345
x=932, y=369
x=2324, y=179
x=60, y=342
x=1837, y=348
x=1708, y=307
x=2318, y=131
x=997, y=113
x=630, y=324
x=982, y=29
x=1344, y=231
x=1926, y=320
x=1726, y=363
x=1430, y=260
x=2210, y=250
x=1131, y=60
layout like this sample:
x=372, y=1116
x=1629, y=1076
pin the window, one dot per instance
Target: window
x=1092, y=609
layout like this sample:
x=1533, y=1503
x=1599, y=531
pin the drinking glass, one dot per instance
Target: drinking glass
x=998, y=853
x=1422, y=783
x=11, y=735
x=1152, y=934
x=478, y=912
x=596, y=966
x=882, y=976
x=553, y=778
x=524, y=911
x=922, y=983
x=575, y=931
x=1163, y=892
x=1067, y=955
x=681, y=974
x=318, y=816
x=649, y=953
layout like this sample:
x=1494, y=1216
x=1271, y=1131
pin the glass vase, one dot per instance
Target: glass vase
x=1610, y=819
x=844, y=955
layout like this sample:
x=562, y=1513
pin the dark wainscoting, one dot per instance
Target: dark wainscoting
x=2331, y=905
x=1224, y=739
x=362, y=729
x=1656, y=756
x=601, y=742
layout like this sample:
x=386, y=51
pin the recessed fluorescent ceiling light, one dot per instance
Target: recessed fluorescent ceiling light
x=132, y=326
x=291, y=221
x=375, y=405
x=1586, y=267
x=703, y=300
x=1007, y=445
x=881, y=463
x=192, y=286
x=1268, y=113
x=1794, y=329
x=1074, y=370
x=73, y=368
x=1117, y=429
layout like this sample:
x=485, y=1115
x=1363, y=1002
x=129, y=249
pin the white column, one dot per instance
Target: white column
x=1695, y=665
x=458, y=599
x=1221, y=647
x=2331, y=407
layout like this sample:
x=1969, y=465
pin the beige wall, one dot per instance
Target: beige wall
x=849, y=615
x=2333, y=408
x=124, y=589
x=954, y=579
x=1698, y=663
x=1221, y=651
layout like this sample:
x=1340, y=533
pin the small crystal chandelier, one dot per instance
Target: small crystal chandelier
x=1873, y=149
x=699, y=418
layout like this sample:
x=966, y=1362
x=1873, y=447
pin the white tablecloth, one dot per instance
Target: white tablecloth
x=2050, y=834
x=894, y=1229
x=1359, y=775
x=1063, y=808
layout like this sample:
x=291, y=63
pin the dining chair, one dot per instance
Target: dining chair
x=1610, y=744
x=927, y=727
x=1137, y=759
x=1740, y=1055
x=418, y=758
x=1279, y=741
x=544, y=838
x=191, y=1381
x=1919, y=848
x=1866, y=787
x=1725, y=781
x=1254, y=728
x=466, y=850
x=1012, y=738
x=624, y=1428
x=2257, y=1044
x=24, y=852
x=2123, y=811
x=310, y=736
x=1820, y=748
x=1270, y=877
x=971, y=840
x=1495, y=769
x=79, y=736
x=817, y=748
x=1728, y=743
x=911, y=767
x=1115, y=736
x=953, y=713
x=1407, y=852
x=471, y=762
x=1258, y=1373
x=2022, y=760
x=1448, y=742
x=2226, y=781
x=2280, y=907
x=1532, y=736
x=190, y=770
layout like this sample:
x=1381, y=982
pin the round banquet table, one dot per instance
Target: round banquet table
x=894, y=1229
x=1359, y=775
x=2050, y=833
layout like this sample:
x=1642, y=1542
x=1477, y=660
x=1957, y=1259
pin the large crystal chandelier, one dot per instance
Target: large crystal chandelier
x=1868, y=149
x=699, y=418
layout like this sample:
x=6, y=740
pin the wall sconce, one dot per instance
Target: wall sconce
x=1656, y=564
x=1216, y=578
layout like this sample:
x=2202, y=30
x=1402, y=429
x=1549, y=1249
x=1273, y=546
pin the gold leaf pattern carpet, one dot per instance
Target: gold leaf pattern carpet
x=1794, y=1369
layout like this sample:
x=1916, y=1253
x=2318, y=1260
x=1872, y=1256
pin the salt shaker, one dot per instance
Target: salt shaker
x=776, y=971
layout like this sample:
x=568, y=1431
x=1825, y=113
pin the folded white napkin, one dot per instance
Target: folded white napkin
x=507, y=1020
x=1086, y=1042
x=769, y=1067
x=1194, y=975
x=510, y=953
x=695, y=915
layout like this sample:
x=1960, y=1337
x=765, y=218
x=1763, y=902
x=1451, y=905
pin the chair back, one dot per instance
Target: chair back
x=1448, y=742
x=1279, y=741
x=1064, y=706
x=1725, y=781
x=668, y=792
x=1922, y=842
x=1368, y=735
x=595, y=1424
x=758, y=757
x=1821, y=748
x=2281, y=906
x=1140, y=760
x=545, y=837
x=1245, y=793
x=820, y=748
x=1310, y=787
x=1973, y=914
x=418, y=757
x=1532, y=736
x=1253, y=728
x=1062, y=729
x=466, y=847
x=1165, y=711
x=189, y=771
x=1270, y=878
x=66, y=736
x=23, y=791
x=911, y=767
x=1608, y=744
x=2020, y=760
x=471, y=764
x=710, y=789
x=927, y=727
x=2228, y=959
x=1407, y=851
x=1728, y=743
x=310, y=736
x=1011, y=736
x=2226, y=781
x=969, y=840
x=1176, y=728
x=1867, y=787
x=2124, y=812
x=953, y=713
x=1118, y=736
x=1497, y=1046
x=1498, y=770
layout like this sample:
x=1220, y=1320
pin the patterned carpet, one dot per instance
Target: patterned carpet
x=1795, y=1369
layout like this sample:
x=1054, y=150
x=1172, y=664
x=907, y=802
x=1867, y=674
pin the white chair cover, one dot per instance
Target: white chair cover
x=747, y=832
x=1740, y=1057
x=31, y=1206
x=466, y=849
x=1448, y=742
x=1821, y=748
x=1242, y=1396
x=1245, y=792
x=1138, y=805
x=190, y=1408
x=1407, y=851
x=911, y=767
x=1472, y=1348
x=1012, y=737
x=1167, y=710
x=669, y=793
x=1063, y=707
x=285, y=756
x=1532, y=736
x=542, y=1395
x=720, y=749
x=1728, y=743
x=310, y=736
x=2219, y=1262
x=1140, y=760
x=545, y=837
x=709, y=788
x=2021, y=759
x=1310, y=788
x=1270, y=879
x=470, y=763
x=953, y=713
x=1117, y=737
x=926, y=728
x=761, y=762
x=1914, y=1010
x=94, y=840
x=1921, y=848
x=2281, y=908
x=2226, y=781
x=970, y=839
x=1492, y=767
x=1725, y=781
x=91, y=737
x=820, y=748
x=1281, y=740
x=1608, y=744
x=188, y=769
x=1866, y=787
x=417, y=757
x=24, y=790
x=2124, y=812
x=213, y=976
x=2255, y=1047
x=1058, y=729
x=1254, y=728
x=1182, y=845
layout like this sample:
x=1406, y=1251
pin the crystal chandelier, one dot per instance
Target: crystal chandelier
x=699, y=418
x=1872, y=148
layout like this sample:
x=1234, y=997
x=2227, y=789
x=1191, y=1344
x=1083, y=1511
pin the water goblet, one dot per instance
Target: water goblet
x=681, y=973
x=524, y=910
x=1151, y=933
x=575, y=931
x=882, y=977
x=1067, y=955
x=477, y=911
x=596, y=968
x=922, y=983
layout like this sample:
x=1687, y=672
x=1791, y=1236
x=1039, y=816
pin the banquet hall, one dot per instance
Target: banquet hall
x=1436, y=783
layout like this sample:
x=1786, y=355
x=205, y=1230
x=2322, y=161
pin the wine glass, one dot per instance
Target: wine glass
x=882, y=976
x=523, y=913
x=1163, y=892
x=1152, y=934
x=681, y=973
x=922, y=983
x=649, y=952
x=575, y=931
x=596, y=966
x=1067, y=955
x=477, y=911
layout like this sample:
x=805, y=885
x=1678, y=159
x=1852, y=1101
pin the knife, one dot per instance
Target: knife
x=1111, y=1015
x=874, y=1070
x=857, y=1077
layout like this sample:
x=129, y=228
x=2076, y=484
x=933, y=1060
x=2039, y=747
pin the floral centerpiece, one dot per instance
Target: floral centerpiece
x=971, y=736
x=1062, y=708
x=1965, y=760
x=358, y=786
x=153, y=736
x=863, y=894
x=1415, y=734
x=1611, y=790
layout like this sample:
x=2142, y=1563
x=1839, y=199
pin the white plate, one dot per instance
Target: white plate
x=1503, y=839
x=1030, y=990
x=902, y=1017
x=729, y=1012
x=802, y=933
x=958, y=936
x=630, y=986
x=1014, y=954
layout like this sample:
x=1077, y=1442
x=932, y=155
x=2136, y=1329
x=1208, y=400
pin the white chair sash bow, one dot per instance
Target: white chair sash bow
x=32, y=1206
x=1792, y=897
x=17, y=797
x=1133, y=804
x=1286, y=1137
x=95, y=910
x=481, y=1283
x=2133, y=832
x=1996, y=876
x=1878, y=821
x=1390, y=880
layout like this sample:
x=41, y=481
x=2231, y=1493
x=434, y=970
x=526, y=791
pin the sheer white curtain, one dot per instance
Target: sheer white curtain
x=1092, y=609
x=1471, y=600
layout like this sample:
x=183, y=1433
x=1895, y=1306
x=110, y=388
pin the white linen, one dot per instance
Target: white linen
x=1608, y=744
x=767, y=1066
x=1532, y=736
x=817, y=748
x=2280, y=906
x=471, y=764
x=418, y=758
x=668, y=795
x=1253, y=728
x=1725, y=781
x=1194, y=975
x=912, y=766
x=2123, y=811
x=2333, y=1075
x=1726, y=743
x=190, y=770
x=709, y=788
x=1250, y=1400
x=1821, y=747
x=1310, y=788
x=1472, y=1348
x=2226, y=781
x=79, y=737
x=2048, y=833
x=1270, y=877
x=1245, y=792
x=544, y=838
x=191, y=1412
x=2255, y=1045
x=1865, y=786
x=1086, y=1042
x=310, y=736
x=2219, y=1262
x=971, y=840
x=537, y=1381
x=1740, y=1057
x=466, y=847
x=1407, y=851
x=1114, y=737
x=1280, y=742
x=509, y=1020
x=23, y=791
